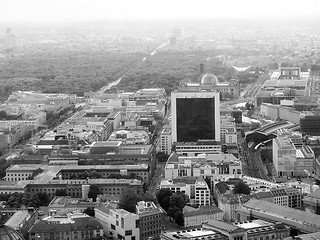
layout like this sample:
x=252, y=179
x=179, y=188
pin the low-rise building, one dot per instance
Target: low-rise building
x=195, y=148
x=258, y=209
x=65, y=204
x=195, y=188
x=288, y=160
x=218, y=230
x=230, y=203
x=76, y=226
x=23, y=172
x=130, y=137
x=311, y=202
x=22, y=221
x=194, y=217
x=211, y=166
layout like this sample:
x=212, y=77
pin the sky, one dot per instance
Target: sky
x=83, y=10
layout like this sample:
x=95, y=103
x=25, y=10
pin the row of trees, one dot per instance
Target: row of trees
x=18, y=200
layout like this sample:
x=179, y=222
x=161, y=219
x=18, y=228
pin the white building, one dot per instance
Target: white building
x=202, y=196
x=166, y=141
x=195, y=148
x=213, y=166
x=196, y=216
x=288, y=160
x=130, y=137
x=195, y=188
x=124, y=225
x=228, y=132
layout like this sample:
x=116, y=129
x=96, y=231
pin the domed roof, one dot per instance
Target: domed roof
x=209, y=79
x=8, y=233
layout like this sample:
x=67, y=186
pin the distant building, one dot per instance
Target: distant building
x=209, y=82
x=130, y=137
x=291, y=161
x=286, y=83
x=310, y=125
x=235, y=113
x=311, y=202
x=3, y=142
x=315, y=80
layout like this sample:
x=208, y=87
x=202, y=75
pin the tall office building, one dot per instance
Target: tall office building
x=195, y=116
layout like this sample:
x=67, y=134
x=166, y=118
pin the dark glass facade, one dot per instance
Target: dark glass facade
x=310, y=125
x=195, y=119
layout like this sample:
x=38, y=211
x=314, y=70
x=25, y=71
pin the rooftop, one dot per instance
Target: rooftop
x=202, y=210
x=281, y=212
x=193, y=234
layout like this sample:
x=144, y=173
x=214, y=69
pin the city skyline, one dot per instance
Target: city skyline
x=85, y=10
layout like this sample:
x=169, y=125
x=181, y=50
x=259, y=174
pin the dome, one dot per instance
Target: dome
x=8, y=233
x=209, y=79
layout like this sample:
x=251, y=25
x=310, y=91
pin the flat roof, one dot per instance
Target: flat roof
x=107, y=144
x=281, y=212
x=253, y=224
x=26, y=167
x=191, y=234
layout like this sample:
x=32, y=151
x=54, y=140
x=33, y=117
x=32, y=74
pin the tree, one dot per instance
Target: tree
x=18, y=200
x=178, y=200
x=89, y=211
x=3, y=115
x=177, y=214
x=94, y=191
x=128, y=200
x=43, y=198
x=249, y=105
x=163, y=197
x=179, y=218
x=241, y=188
x=61, y=192
x=162, y=156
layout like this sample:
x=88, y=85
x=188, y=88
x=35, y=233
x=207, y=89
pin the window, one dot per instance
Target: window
x=133, y=238
x=113, y=227
x=128, y=232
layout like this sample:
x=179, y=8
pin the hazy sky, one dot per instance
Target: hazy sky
x=75, y=10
